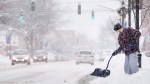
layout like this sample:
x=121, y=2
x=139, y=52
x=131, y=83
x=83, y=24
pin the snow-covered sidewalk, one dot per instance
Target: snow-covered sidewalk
x=4, y=60
x=118, y=76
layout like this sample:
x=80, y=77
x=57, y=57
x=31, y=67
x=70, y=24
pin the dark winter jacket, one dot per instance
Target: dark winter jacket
x=125, y=38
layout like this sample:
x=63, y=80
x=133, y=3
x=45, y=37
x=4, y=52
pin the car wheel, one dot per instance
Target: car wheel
x=28, y=63
x=77, y=63
x=12, y=63
x=46, y=61
x=92, y=63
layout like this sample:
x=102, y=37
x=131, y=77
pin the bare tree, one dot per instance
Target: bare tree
x=145, y=7
x=45, y=15
x=107, y=34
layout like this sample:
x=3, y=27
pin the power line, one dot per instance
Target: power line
x=86, y=2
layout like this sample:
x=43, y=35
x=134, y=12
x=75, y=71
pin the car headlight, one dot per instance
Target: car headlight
x=14, y=58
x=35, y=57
x=26, y=58
x=44, y=57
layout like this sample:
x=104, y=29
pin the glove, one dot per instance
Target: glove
x=134, y=41
x=115, y=53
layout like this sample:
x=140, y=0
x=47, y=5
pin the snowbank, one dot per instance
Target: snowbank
x=118, y=76
x=4, y=60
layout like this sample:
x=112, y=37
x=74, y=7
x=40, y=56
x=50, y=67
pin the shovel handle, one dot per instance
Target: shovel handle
x=130, y=45
x=108, y=62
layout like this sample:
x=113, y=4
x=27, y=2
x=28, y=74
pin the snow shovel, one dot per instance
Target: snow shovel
x=104, y=73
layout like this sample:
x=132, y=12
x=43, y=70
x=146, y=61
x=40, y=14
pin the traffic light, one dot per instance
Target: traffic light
x=105, y=43
x=79, y=9
x=92, y=15
x=68, y=41
x=21, y=15
x=32, y=6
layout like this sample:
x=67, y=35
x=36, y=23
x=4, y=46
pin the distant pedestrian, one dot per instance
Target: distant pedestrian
x=126, y=37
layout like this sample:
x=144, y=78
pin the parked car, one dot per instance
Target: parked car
x=85, y=56
x=53, y=56
x=20, y=56
x=40, y=56
x=104, y=53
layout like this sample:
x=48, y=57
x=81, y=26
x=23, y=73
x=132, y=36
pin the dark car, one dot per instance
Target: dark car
x=40, y=56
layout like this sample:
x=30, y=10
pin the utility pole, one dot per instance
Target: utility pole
x=32, y=9
x=137, y=15
x=137, y=27
x=123, y=13
x=123, y=9
x=79, y=9
x=129, y=13
x=32, y=43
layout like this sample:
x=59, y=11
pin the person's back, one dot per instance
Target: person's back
x=126, y=37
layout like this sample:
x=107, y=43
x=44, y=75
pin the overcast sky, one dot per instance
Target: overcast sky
x=83, y=23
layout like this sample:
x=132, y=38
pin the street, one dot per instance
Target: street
x=66, y=72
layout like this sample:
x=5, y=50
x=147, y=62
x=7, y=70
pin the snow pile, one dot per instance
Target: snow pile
x=4, y=60
x=118, y=76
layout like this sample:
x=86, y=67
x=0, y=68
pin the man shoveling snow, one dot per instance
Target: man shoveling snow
x=126, y=37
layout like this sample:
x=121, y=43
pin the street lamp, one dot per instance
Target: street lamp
x=26, y=39
x=10, y=29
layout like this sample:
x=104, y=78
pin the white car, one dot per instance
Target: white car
x=104, y=53
x=53, y=56
x=85, y=56
x=20, y=56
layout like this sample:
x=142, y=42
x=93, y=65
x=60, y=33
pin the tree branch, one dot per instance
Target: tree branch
x=144, y=16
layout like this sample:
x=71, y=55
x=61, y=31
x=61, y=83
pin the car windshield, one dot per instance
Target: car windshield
x=40, y=53
x=20, y=52
x=85, y=52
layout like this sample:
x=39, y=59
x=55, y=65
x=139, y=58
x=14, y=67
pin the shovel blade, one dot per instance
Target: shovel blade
x=100, y=73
